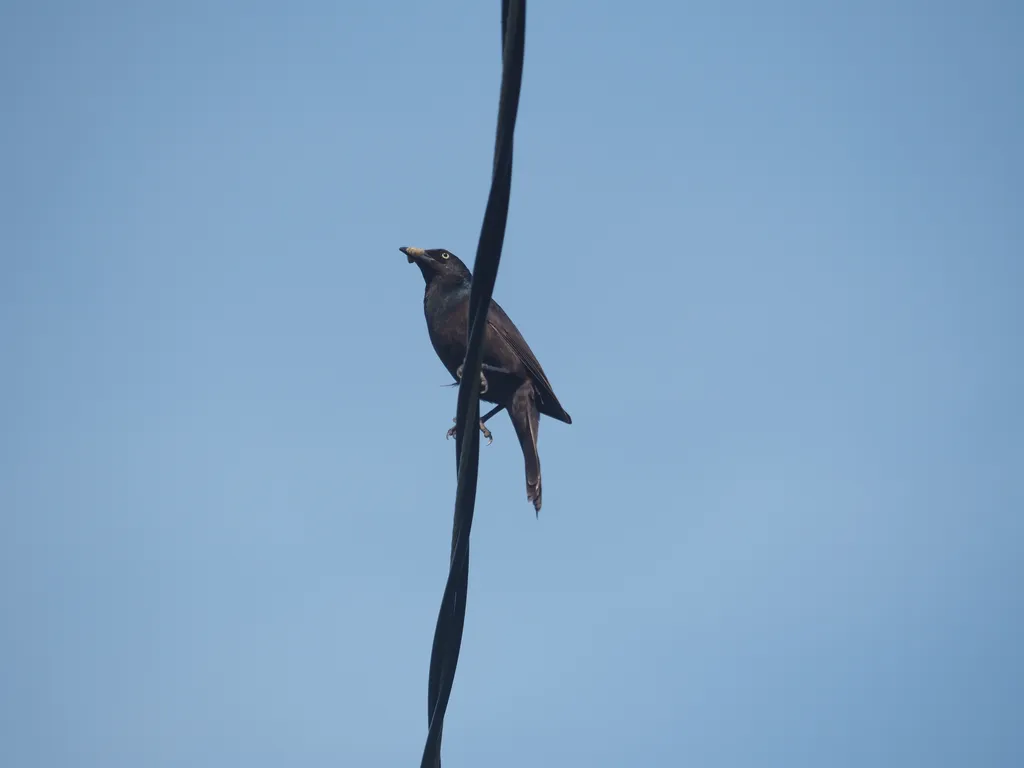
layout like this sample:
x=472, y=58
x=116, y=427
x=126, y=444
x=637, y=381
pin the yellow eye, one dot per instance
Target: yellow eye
x=445, y=255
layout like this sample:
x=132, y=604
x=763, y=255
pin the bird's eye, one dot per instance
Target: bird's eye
x=445, y=255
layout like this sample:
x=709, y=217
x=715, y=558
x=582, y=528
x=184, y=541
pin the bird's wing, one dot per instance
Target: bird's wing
x=507, y=331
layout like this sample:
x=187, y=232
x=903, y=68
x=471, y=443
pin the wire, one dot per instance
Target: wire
x=451, y=618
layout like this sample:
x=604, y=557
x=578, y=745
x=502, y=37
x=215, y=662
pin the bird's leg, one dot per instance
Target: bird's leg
x=484, y=430
x=483, y=379
x=483, y=388
x=494, y=369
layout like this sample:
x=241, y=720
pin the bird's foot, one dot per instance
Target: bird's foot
x=483, y=430
x=483, y=379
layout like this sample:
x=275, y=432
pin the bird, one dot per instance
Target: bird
x=511, y=377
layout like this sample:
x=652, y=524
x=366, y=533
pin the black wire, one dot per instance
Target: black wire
x=452, y=616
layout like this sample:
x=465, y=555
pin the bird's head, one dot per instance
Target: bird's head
x=438, y=263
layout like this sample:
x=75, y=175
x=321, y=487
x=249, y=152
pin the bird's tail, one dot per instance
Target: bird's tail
x=526, y=420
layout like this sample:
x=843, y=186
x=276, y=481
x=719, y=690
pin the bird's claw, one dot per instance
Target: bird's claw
x=483, y=379
x=483, y=430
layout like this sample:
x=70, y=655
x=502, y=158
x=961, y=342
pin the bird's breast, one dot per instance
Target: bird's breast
x=447, y=313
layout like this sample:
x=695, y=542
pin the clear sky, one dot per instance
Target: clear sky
x=770, y=256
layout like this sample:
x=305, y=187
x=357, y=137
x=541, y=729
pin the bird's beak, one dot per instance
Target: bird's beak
x=413, y=254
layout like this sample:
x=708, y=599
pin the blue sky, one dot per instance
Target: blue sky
x=769, y=256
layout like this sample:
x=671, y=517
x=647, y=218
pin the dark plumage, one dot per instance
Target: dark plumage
x=511, y=376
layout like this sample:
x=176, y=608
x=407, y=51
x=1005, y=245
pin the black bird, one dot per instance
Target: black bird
x=511, y=377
